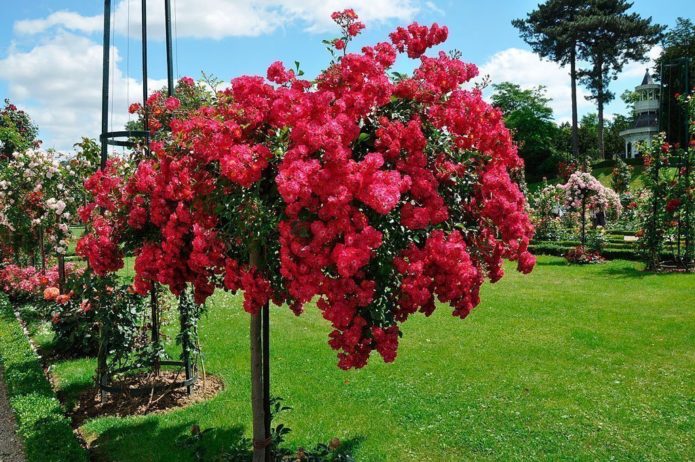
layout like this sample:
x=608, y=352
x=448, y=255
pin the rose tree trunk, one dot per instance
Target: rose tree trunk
x=259, y=437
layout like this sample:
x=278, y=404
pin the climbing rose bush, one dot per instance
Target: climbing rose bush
x=373, y=195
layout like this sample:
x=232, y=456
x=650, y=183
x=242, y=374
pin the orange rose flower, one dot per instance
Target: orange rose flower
x=50, y=293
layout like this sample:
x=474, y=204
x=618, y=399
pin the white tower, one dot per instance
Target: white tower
x=646, y=123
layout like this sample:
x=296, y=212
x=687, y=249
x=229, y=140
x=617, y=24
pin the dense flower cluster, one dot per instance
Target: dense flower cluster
x=378, y=197
x=584, y=190
x=33, y=200
x=581, y=255
x=26, y=282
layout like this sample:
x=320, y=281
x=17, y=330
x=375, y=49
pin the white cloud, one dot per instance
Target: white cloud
x=66, y=19
x=59, y=83
x=432, y=6
x=636, y=69
x=217, y=19
x=528, y=70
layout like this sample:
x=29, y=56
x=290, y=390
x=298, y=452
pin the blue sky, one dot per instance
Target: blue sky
x=50, y=50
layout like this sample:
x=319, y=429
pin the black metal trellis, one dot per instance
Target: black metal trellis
x=675, y=122
x=126, y=138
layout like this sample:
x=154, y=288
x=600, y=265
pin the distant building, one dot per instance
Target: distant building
x=646, y=123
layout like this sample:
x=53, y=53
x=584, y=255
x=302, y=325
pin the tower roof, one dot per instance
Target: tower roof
x=647, y=80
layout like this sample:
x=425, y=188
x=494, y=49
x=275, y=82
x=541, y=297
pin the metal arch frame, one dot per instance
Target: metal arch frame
x=109, y=138
x=116, y=138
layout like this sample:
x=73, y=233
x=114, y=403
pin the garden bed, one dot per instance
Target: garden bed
x=89, y=404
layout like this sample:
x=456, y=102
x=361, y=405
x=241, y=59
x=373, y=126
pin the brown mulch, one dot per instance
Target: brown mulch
x=89, y=403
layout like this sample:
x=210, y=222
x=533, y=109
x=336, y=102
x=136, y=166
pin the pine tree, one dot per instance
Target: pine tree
x=551, y=32
x=610, y=37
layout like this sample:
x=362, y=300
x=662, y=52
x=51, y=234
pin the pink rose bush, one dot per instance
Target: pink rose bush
x=582, y=187
x=376, y=197
x=34, y=201
x=24, y=283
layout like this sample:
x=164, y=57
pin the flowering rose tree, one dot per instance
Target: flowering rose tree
x=375, y=196
x=546, y=212
x=34, y=206
x=583, y=193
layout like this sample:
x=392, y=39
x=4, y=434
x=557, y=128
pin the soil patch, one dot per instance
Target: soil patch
x=89, y=403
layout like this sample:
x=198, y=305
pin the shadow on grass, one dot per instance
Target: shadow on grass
x=552, y=263
x=631, y=272
x=350, y=446
x=69, y=395
x=145, y=440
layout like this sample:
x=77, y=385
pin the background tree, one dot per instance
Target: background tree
x=551, y=31
x=678, y=45
x=679, y=41
x=17, y=131
x=588, y=134
x=610, y=37
x=614, y=143
x=527, y=114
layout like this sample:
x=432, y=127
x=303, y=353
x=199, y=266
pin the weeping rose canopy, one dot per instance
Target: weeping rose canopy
x=374, y=194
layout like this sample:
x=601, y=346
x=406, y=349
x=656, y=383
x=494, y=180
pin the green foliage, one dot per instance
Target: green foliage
x=17, y=131
x=98, y=300
x=679, y=41
x=46, y=432
x=528, y=115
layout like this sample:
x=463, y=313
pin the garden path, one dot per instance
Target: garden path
x=11, y=449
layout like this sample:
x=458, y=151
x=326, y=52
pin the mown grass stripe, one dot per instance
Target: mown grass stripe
x=46, y=431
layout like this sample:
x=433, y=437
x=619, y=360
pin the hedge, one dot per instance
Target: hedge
x=609, y=244
x=46, y=431
x=560, y=250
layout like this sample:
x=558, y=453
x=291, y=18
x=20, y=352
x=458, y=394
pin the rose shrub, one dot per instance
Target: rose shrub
x=26, y=283
x=583, y=189
x=88, y=301
x=581, y=255
x=548, y=215
x=376, y=195
x=17, y=131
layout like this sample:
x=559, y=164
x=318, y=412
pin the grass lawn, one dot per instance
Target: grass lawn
x=568, y=363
